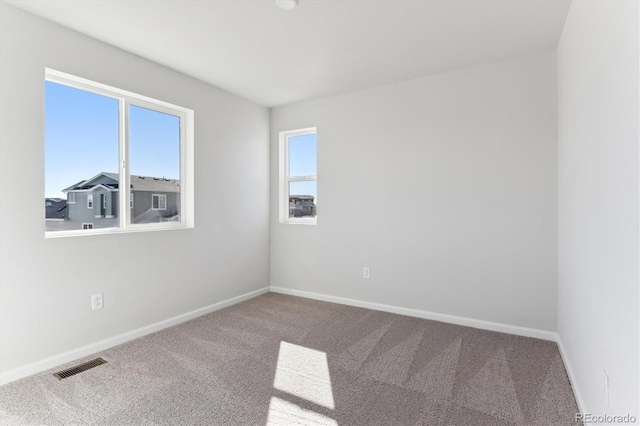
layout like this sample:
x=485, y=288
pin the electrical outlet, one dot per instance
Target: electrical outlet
x=366, y=272
x=606, y=388
x=97, y=302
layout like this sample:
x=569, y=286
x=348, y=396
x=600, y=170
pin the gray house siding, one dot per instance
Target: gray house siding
x=143, y=213
x=115, y=203
x=105, y=190
x=79, y=213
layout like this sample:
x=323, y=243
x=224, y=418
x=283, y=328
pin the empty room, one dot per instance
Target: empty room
x=310, y=212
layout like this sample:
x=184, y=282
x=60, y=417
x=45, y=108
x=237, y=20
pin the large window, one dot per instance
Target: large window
x=298, y=176
x=103, y=147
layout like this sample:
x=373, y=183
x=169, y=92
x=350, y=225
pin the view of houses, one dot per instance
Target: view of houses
x=55, y=208
x=302, y=206
x=94, y=203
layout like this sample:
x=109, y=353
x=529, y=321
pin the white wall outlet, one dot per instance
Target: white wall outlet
x=606, y=388
x=97, y=302
x=366, y=272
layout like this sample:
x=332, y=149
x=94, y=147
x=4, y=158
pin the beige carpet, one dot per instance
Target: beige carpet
x=280, y=359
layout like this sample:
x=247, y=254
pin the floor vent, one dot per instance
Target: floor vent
x=79, y=368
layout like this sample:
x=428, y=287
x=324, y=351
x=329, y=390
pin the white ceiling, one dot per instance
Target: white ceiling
x=274, y=57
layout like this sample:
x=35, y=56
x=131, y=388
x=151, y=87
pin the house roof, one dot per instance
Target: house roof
x=138, y=183
x=55, y=208
x=150, y=183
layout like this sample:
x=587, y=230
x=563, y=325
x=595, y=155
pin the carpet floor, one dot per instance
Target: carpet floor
x=279, y=359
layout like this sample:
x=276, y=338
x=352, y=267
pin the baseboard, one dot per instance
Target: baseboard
x=56, y=360
x=452, y=319
x=572, y=378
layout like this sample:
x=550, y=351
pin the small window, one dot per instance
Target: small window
x=89, y=201
x=298, y=176
x=87, y=226
x=158, y=202
x=71, y=198
x=104, y=201
x=131, y=200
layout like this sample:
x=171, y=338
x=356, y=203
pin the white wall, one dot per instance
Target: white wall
x=445, y=186
x=146, y=277
x=598, y=210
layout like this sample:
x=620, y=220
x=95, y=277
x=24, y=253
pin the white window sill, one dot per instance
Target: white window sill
x=106, y=231
x=300, y=222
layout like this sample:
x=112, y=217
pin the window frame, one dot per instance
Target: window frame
x=90, y=201
x=160, y=197
x=125, y=100
x=286, y=179
x=87, y=226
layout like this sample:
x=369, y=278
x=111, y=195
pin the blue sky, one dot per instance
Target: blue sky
x=154, y=143
x=303, y=162
x=81, y=139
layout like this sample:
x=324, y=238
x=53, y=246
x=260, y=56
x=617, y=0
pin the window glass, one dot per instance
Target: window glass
x=298, y=176
x=302, y=155
x=302, y=199
x=81, y=141
x=158, y=202
x=106, y=147
x=154, y=165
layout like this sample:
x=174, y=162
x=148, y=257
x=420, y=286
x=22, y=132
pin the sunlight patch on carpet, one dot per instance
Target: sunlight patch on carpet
x=282, y=412
x=304, y=373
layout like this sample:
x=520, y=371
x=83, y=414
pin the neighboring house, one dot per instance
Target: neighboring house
x=94, y=203
x=301, y=205
x=55, y=208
